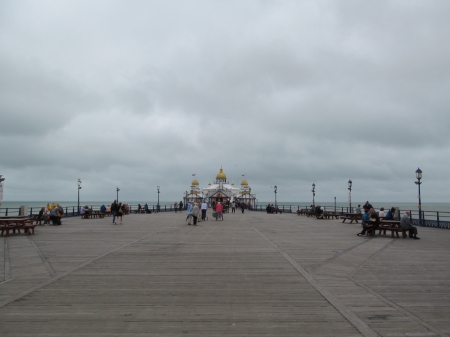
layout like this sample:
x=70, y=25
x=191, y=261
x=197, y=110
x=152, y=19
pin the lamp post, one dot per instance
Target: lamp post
x=117, y=190
x=350, y=194
x=158, y=193
x=1, y=188
x=419, y=176
x=275, y=190
x=314, y=194
x=79, y=188
x=250, y=196
x=186, y=201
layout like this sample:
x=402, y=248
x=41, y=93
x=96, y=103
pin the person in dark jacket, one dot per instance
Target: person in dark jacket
x=367, y=206
x=114, y=210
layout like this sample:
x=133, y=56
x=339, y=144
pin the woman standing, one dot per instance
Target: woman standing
x=120, y=212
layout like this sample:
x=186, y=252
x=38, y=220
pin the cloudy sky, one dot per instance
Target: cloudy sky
x=135, y=94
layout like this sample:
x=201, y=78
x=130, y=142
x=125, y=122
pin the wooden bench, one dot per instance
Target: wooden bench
x=14, y=224
x=352, y=217
x=93, y=215
x=272, y=210
x=393, y=226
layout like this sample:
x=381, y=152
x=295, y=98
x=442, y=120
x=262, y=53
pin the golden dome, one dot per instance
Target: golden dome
x=221, y=175
x=244, y=182
x=195, y=182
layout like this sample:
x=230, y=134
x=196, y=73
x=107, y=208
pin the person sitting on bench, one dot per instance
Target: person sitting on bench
x=405, y=223
x=55, y=217
x=370, y=221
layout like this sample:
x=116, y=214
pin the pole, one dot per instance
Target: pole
x=117, y=190
x=79, y=188
x=420, y=206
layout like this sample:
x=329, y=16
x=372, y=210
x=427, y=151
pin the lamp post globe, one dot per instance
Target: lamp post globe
x=418, y=183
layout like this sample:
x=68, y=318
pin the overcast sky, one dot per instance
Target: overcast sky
x=136, y=94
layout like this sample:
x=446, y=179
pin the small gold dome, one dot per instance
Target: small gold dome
x=195, y=182
x=244, y=182
x=221, y=175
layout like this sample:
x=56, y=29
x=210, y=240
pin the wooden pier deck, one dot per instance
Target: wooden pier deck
x=253, y=274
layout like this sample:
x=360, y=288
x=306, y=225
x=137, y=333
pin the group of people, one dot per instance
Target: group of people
x=145, y=208
x=54, y=215
x=118, y=210
x=371, y=220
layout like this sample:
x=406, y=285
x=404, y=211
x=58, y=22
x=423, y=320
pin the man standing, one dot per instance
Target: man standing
x=204, y=208
x=405, y=223
x=181, y=205
x=367, y=206
x=114, y=210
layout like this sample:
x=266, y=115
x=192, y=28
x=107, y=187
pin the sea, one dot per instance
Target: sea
x=427, y=207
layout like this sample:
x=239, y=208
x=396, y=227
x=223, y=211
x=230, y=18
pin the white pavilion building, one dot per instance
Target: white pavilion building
x=221, y=190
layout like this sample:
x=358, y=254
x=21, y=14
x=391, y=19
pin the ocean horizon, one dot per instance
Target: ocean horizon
x=433, y=207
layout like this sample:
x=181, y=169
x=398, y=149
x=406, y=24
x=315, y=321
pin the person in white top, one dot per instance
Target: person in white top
x=381, y=212
x=204, y=208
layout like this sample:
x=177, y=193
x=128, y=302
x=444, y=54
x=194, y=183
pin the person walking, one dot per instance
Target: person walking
x=114, y=210
x=175, y=206
x=204, y=208
x=233, y=207
x=195, y=213
x=219, y=210
x=189, y=208
x=120, y=212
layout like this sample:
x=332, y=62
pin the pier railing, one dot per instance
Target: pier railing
x=433, y=219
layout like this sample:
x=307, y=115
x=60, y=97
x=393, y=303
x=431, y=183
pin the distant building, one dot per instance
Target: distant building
x=221, y=190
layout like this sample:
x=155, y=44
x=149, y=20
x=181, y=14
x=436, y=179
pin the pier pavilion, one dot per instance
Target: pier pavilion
x=221, y=190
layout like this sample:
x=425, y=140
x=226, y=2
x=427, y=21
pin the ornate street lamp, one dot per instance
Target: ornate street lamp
x=314, y=194
x=350, y=194
x=158, y=193
x=79, y=188
x=419, y=176
x=117, y=190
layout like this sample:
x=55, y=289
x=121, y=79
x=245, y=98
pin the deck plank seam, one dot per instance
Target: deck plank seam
x=401, y=309
x=84, y=264
x=353, y=319
x=44, y=259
